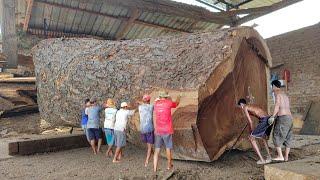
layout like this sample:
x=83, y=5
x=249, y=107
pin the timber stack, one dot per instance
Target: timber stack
x=211, y=71
x=18, y=94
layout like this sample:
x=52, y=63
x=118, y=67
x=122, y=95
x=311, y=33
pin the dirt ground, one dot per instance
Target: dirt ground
x=82, y=164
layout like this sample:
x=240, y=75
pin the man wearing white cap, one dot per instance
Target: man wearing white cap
x=119, y=129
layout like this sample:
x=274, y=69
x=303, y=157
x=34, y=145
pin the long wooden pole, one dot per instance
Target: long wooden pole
x=8, y=30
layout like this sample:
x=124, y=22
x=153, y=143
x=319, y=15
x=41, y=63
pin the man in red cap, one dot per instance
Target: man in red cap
x=146, y=125
x=163, y=127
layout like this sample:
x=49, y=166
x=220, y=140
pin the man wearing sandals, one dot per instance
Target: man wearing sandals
x=282, y=133
x=262, y=130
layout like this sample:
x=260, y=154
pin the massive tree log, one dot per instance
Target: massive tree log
x=211, y=70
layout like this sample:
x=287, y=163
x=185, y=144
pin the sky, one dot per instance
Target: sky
x=296, y=16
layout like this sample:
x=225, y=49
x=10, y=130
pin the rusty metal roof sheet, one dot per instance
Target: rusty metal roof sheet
x=126, y=19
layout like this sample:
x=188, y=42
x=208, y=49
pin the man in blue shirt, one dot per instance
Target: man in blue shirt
x=93, y=125
x=146, y=125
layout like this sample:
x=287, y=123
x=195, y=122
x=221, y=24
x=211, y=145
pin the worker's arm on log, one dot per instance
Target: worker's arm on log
x=133, y=105
x=104, y=105
x=132, y=108
x=178, y=100
x=245, y=109
x=277, y=106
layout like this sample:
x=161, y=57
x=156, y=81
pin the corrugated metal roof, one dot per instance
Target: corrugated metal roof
x=238, y=4
x=114, y=19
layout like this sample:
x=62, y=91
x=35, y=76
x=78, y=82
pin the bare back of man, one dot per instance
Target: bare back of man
x=256, y=111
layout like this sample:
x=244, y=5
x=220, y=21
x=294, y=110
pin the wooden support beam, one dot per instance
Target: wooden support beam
x=8, y=29
x=121, y=18
x=260, y=10
x=160, y=26
x=126, y=25
x=174, y=9
x=254, y=13
x=28, y=15
x=57, y=34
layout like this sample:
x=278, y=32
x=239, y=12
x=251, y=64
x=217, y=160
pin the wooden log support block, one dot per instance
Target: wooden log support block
x=304, y=169
x=47, y=144
x=210, y=70
x=13, y=148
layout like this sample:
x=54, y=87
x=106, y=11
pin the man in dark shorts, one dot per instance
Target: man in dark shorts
x=146, y=125
x=93, y=125
x=282, y=133
x=262, y=131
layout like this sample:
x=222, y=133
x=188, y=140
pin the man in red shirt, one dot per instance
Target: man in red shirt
x=163, y=127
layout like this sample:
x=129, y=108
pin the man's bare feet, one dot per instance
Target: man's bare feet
x=109, y=154
x=170, y=167
x=278, y=159
x=261, y=162
x=145, y=164
x=115, y=161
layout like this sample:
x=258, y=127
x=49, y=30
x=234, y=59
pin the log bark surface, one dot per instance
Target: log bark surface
x=205, y=68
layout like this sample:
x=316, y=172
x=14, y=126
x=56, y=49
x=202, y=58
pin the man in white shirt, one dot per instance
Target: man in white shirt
x=119, y=129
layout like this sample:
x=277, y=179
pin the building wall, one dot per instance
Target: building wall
x=299, y=51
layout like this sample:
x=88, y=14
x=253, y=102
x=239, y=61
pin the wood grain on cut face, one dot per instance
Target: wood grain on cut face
x=220, y=120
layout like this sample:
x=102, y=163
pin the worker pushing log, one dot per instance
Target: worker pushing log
x=210, y=71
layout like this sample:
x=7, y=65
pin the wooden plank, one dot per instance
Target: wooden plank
x=304, y=117
x=28, y=15
x=311, y=125
x=5, y=75
x=50, y=33
x=9, y=37
x=18, y=80
x=126, y=25
x=173, y=9
x=18, y=94
x=260, y=11
x=20, y=110
x=110, y=16
x=277, y=66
